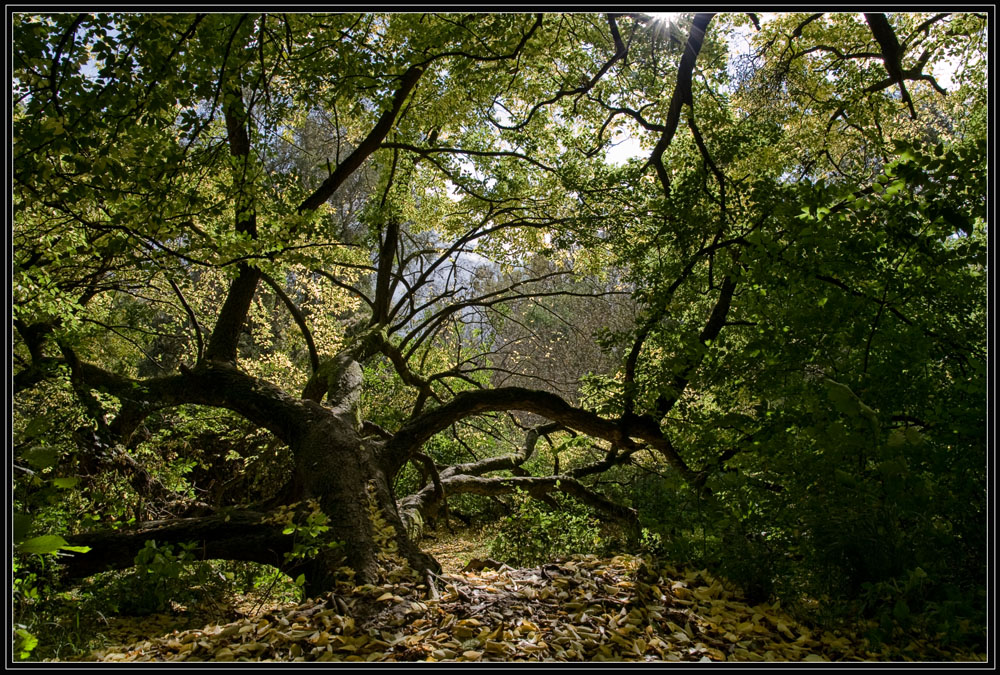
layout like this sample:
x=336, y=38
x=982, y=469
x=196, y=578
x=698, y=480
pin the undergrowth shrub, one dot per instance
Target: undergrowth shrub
x=534, y=532
x=732, y=539
x=160, y=579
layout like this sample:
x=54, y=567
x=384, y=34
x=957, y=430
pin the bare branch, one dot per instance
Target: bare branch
x=892, y=54
x=620, y=51
x=682, y=94
x=420, y=429
x=370, y=144
x=243, y=535
x=223, y=344
x=191, y=317
x=300, y=320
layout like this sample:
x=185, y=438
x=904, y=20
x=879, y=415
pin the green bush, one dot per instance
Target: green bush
x=534, y=532
x=730, y=533
x=159, y=579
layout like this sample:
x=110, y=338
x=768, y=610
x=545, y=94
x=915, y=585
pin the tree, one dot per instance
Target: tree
x=407, y=188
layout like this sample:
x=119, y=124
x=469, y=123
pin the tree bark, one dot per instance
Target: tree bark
x=242, y=535
x=334, y=465
x=224, y=343
x=371, y=143
x=347, y=474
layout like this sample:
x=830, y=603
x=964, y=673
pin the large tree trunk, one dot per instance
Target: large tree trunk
x=336, y=468
x=334, y=465
x=341, y=470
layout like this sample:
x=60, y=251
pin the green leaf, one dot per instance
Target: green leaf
x=844, y=478
x=65, y=483
x=42, y=457
x=47, y=543
x=21, y=526
x=896, y=186
x=26, y=643
x=843, y=398
x=37, y=426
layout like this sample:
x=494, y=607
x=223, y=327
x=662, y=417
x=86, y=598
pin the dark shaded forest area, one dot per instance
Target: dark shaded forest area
x=580, y=336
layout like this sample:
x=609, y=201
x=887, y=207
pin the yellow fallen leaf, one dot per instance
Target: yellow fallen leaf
x=680, y=591
x=702, y=594
x=494, y=646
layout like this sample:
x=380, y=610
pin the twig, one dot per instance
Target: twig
x=432, y=587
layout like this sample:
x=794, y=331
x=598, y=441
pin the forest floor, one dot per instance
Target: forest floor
x=582, y=608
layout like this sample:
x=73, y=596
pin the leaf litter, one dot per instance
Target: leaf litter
x=582, y=608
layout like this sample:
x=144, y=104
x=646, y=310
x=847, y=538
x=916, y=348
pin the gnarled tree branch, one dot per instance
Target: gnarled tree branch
x=682, y=95
x=242, y=535
x=370, y=144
